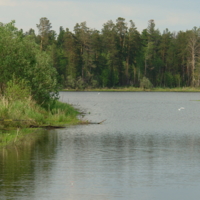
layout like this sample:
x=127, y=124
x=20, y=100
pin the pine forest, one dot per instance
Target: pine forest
x=118, y=55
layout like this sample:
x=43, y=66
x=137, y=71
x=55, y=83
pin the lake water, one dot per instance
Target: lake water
x=147, y=149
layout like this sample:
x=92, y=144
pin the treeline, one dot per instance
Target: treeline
x=118, y=55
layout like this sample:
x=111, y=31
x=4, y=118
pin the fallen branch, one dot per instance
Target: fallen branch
x=98, y=122
x=51, y=126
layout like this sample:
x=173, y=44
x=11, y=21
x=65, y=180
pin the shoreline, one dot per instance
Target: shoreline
x=134, y=89
x=12, y=133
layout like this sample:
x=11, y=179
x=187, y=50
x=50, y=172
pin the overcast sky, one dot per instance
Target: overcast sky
x=175, y=15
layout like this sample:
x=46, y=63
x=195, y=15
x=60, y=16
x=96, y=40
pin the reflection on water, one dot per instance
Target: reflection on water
x=20, y=165
x=146, y=149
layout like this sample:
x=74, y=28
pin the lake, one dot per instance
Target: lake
x=147, y=149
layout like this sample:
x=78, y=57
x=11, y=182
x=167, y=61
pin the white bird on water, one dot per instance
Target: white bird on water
x=181, y=108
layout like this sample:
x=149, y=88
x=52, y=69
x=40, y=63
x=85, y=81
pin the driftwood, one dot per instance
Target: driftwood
x=52, y=127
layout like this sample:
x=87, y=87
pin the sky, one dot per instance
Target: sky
x=176, y=15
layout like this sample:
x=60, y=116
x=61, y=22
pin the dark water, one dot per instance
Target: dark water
x=145, y=150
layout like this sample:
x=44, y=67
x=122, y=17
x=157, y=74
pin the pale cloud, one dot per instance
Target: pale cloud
x=178, y=20
x=7, y=3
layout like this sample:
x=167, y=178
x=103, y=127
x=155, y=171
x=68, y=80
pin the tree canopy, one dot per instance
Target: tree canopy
x=117, y=55
x=21, y=57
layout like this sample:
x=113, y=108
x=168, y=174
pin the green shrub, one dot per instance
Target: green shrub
x=17, y=90
x=71, y=82
x=145, y=83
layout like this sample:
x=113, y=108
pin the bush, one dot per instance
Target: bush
x=21, y=56
x=80, y=84
x=169, y=79
x=71, y=82
x=17, y=90
x=145, y=83
x=94, y=83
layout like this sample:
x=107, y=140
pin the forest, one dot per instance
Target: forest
x=116, y=56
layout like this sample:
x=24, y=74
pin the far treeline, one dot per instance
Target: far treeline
x=117, y=56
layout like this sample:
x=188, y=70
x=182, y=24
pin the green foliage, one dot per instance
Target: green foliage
x=177, y=80
x=94, y=83
x=44, y=29
x=105, y=77
x=43, y=80
x=169, y=79
x=70, y=82
x=145, y=83
x=17, y=90
x=116, y=56
x=75, y=83
x=14, y=57
x=21, y=56
x=80, y=83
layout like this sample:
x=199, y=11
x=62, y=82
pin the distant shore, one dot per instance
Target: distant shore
x=137, y=89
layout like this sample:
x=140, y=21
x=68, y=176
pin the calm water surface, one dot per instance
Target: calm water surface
x=145, y=150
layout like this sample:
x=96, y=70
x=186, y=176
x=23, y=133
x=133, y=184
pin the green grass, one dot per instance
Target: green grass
x=62, y=113
x=25, y=113
x=178, y=89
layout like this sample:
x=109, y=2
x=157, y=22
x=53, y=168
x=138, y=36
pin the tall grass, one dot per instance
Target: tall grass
x=62, y=113
x=20, y=113
x=23, y=113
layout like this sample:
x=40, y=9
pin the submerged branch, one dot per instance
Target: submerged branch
x=88, y=122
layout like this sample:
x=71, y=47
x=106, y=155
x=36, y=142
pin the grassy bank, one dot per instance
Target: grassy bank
x=25, y=113
x=137, y=89
x=16, y=117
